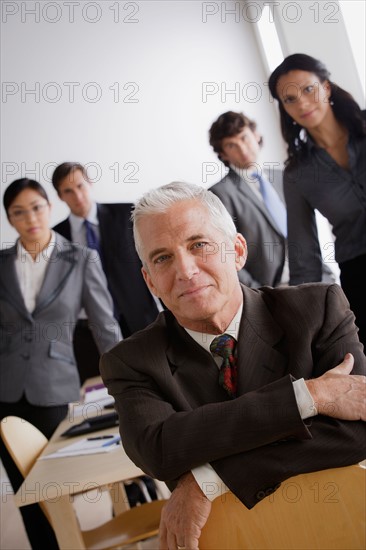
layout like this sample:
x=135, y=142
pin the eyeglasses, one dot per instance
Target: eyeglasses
x=36, y=210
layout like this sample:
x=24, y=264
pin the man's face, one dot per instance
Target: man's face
x=192, y=266
x=241, y=150
x=75, y=191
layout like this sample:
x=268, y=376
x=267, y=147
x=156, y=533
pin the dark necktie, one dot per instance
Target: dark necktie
x=224, y=346
x=92, y=240
x=273, y=203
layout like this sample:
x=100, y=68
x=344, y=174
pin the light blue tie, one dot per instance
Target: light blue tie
x=273, y=203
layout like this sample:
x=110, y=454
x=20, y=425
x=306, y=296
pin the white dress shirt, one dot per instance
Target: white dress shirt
x=31, y=273
x=78, y=234
x=206, y=477
x=78, y=229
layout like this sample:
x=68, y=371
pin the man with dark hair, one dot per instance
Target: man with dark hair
x=253, y=197
x=106, y=228
x=244, y=191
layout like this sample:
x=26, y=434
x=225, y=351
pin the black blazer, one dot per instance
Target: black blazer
x=136, y=306
x=175, y=417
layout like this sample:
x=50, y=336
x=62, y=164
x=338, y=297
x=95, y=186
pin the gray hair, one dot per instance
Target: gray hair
x=158, y=201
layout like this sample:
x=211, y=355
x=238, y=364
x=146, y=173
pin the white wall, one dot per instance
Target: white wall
x=131, y=88
x=176, y=60
x=318, y=29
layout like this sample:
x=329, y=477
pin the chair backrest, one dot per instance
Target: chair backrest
x=321, y=510
x=23, y=441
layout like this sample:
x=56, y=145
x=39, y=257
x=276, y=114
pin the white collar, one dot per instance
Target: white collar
x=76, y=222
x=23, y=253
x=205, y=340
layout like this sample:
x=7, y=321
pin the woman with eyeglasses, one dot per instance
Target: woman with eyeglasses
x=325, y=131
x=44, y=282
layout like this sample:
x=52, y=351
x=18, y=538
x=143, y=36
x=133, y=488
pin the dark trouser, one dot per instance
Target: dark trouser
x=46, y=419
x=86, y=351
x=353, y=281
x=135, y=495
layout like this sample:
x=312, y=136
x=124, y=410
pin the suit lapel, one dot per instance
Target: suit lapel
x=101, y=215
x=259, y=363
x=191, y=362
x=61, y=263
x=244, y=189
x=64, y=229
x=10, y=281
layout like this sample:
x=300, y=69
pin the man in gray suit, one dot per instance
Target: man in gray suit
x=254, y=198
x=198, y=421
x=235, y=139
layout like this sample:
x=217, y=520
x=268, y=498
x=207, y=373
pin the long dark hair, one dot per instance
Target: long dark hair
x=345, y=108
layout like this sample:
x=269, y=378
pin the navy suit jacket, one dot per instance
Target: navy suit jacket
x=136, y=306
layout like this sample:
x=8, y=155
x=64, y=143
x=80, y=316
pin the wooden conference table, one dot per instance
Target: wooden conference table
x=55, y=481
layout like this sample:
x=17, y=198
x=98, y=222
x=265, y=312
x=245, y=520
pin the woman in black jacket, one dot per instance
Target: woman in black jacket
x=325, y=131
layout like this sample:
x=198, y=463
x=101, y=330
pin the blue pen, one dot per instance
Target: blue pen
x=113, y=441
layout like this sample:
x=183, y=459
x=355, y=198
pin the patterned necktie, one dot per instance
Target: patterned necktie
x=224, y=346
x=273, y=203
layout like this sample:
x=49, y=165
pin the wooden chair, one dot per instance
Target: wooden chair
x=25, y=443
x=319, y=510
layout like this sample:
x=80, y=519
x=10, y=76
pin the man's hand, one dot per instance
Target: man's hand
x=338, y=393
x=184, y=516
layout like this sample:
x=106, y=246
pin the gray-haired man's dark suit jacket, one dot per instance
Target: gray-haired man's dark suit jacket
x=175, y=417
x=36, y=351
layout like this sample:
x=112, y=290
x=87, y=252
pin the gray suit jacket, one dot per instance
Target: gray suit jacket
x=266, y=244
x=36, y=350
x=175, y=417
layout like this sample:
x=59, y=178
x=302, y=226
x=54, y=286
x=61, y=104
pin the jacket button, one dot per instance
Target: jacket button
x=25, y=356
x=260, y=495
x=28, y=338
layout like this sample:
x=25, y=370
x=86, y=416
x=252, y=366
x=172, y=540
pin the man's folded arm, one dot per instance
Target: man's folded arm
x=166, y=443
x=211, y=483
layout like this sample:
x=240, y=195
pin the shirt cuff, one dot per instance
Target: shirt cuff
x=304, y=400
x=209, y=482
